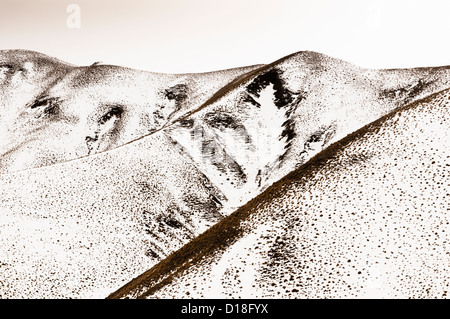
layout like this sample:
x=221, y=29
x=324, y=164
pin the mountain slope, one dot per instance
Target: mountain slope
x=280, y=115
x=54, y=112
x=364, y=218
x=84, y=226
x=82, y=230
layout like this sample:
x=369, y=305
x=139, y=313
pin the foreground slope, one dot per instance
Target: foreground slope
x=367, y=217
x=83, y=230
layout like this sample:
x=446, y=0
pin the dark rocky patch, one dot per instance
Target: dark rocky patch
x=9, y=68
x=179, y=93
x=258, y=177
x=216, y=201
x=115, y=111
x=282, y=250
x=283, y=96
x=48, y=105
x=152, y=254
x=158, y=115
x=165, y=227
x=170, y=221
x=209, y=208
x=321, y=136
x=221, y=120
x=90, y=140
x=187, y=123
x=356, y=159
x=288, y=133
x=407, y=94
x=249, y=99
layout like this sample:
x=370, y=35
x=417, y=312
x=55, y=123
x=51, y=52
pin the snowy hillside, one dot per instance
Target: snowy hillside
x=105, y=171
x=84, y=229
x=53, y=112
x=366, y=218
x=280, y=115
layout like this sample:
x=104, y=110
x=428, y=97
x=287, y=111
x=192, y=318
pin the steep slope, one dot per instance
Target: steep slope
x=53, y=112
x=83, y=230
x=278, y=116
x=367, y=217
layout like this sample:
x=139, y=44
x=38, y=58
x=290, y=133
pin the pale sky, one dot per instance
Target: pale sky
x=176, y=36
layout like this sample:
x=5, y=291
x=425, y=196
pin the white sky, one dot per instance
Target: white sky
x=178, y=36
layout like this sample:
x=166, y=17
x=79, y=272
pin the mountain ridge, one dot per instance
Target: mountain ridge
x=239, y=80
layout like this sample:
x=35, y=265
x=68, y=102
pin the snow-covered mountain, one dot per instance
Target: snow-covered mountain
x=280, y=115
x=365, y=218
x=105, y=171
x=54, y=112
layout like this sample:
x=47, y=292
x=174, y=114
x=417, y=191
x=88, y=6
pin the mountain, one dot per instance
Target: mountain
x=105, y=171
x=365, y=218
x=53, y=112
x=278, y=116
x=82, y=225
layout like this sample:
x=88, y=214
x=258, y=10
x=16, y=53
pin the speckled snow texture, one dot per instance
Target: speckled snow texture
x=369, y=219
x=282, y=114
x=52, y=112
x=105, y=171
x=83, y=230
